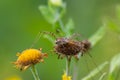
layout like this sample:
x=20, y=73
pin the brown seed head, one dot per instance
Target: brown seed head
x=86, y=45
x=66, y=46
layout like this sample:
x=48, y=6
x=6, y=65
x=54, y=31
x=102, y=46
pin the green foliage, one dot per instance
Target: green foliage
x=95, y=71
x=114, y=64
x=118, y=11
x=69, y=27
x=49, y=38
x=97, y=36
x=102, y=76
x=52, y=13
x=114, y=24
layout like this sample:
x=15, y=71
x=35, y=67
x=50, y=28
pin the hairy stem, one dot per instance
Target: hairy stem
x=34, y=72
x=68, y=60
x=75, y=73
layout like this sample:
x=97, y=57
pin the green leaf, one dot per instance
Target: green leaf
x=113, y=26
x=111, y=77
x=97, y=36
x=95, y=71
x=50, y=16
x=115, y=63
x=118, y=11
x=69, y=27
x=102, y=76
x=49, y=38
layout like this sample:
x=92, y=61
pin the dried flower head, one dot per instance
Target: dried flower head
x=29, y=57
x=69, y=47
x=85, y=46
x=65, y=77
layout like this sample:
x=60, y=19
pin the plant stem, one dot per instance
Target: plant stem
x=34, y=72
x=76, y=67
x=68, y=60
x=75, y=73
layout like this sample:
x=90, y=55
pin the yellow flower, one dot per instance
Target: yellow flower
x=29, y=57
x=13, y=78
x=65, y=77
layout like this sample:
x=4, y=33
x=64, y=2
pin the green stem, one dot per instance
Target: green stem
x=34, y=72
x=68, y=60
x=75, y=71
x=76, y=67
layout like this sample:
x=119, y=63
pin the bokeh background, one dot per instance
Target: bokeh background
x=21, y=21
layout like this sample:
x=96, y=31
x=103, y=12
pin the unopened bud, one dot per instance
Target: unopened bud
x=56, y=2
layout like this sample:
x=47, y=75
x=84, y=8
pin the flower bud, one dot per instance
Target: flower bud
x=56, y=2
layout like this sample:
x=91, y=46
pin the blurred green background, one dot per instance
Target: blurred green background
x=20, y=22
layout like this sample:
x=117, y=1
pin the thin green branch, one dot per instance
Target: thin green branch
x=34, y=72
x=68, y=60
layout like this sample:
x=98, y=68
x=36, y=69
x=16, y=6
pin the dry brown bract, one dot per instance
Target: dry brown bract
x=69, y=47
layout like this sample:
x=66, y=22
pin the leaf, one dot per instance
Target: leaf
x=50, y=16
x=49, y=38
x=113, y=26
x=111, y=77
x=102, y=76
x=95, y=71
x=118, y=11
x=69, y=27
x=115, y=63
x=97, y=36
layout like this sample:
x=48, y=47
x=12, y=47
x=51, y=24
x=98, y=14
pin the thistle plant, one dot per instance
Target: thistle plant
x=53, y=12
